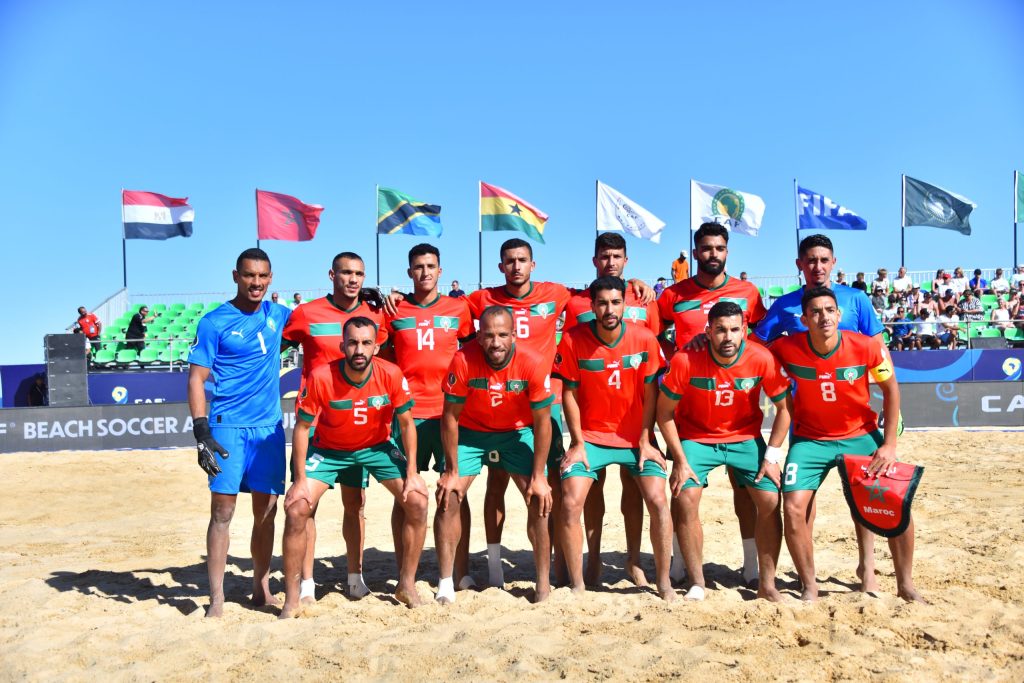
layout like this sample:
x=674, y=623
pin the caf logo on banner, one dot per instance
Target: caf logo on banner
x=120, y=395
x=728, y=203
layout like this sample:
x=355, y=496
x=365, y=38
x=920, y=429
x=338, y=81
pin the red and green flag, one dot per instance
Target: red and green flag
x=502, y=210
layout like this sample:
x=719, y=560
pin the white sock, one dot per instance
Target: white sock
x=467, y=582
x=357, y=588
x=750, y=572
x=445, y=590
x=307, y=589
x=695, y=593
x=677, y=572
x=495, y=572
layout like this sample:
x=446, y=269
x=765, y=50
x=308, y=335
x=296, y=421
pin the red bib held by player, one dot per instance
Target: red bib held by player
x=881, y=504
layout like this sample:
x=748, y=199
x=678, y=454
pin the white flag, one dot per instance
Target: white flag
x=735, y=210
x=619, y=213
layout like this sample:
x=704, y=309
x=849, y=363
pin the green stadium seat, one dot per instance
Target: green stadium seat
x=926, y=286
x=127, y=356
x=175, y=308
x=990, y=332
x=989, y=300
x=760, y=290
x=104, y=357
x=199, y=307
x=212, y=305
x=180, y=345
x=1014, y=335
x=183, y=355
x=158, y=345
x=133, y=309
x=158, y=309
x=176, y=330
x=790, y=288
x=775, y=291
x=148, y=356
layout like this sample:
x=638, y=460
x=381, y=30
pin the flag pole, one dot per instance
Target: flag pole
x=903, y=219
x=256, y=195
x=597, y=192
x=796, y=216
x=124, y=247
x=1016, y=189
x=480, y=231
x=689, y=225
x=376, y=196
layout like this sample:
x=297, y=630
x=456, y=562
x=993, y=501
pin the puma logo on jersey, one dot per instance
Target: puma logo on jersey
x=360, y=402
x=497, y=386
x=613, y=365
x=723, y=385
x=234, y=332
x=424, y=323
x=825, y=375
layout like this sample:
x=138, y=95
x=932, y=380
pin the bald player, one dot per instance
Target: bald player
x=316, y=326
x=832, y=416
x=497, y=411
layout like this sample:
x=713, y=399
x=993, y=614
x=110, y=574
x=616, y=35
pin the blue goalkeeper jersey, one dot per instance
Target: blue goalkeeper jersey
x=243, y=352
x=784, y=316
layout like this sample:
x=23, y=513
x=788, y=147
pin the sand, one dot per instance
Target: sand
x=102, y=575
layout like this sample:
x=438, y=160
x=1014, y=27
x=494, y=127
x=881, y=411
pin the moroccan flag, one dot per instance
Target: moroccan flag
x=152, y=216
x=281, y=217
x=931, y=205
x=400, y=213
x=502, y=210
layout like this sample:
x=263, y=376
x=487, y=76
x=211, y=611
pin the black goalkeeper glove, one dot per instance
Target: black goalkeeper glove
x=207, y=446
x=373, y=297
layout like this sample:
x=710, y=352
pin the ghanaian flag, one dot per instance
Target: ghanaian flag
x=502, y=210
x=400, y=213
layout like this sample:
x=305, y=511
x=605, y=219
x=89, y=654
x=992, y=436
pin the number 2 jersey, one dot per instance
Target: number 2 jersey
x=497, y=399
x=426, y=337
x=722, y=403
x=832, y=397
x=609, y=380
x=351, y=415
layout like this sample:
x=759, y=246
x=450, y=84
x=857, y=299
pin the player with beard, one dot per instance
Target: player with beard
x=686, y=305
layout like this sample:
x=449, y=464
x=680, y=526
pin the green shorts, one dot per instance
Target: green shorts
x=511, y=451
x=600, y=457
x=742, y=457
x=428, y=443
x=557, y=449
x=356, y=477
x=809, y=460
x=384, y=461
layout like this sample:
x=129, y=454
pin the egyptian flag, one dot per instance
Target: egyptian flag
x=152, y=216
x=881, y=503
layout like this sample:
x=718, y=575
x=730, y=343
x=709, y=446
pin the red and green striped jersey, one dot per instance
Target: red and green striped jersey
x=579, y=311
x=686, y=305
x=426, y=337
x=831, y=398
x=609, y=380
x=722, y=403
x=317, y=325
x=497, y=399
x=351, y=416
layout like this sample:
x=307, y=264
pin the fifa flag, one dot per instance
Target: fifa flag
x=400, y=213
x=282, y=217
x=502, y=210
x=618, y=213
x=152, y=216
x=818, y=212
x=738, y=211
x=927, y=204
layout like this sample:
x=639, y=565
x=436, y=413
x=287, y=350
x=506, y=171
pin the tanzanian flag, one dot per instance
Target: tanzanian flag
x=400, y=213
x=502, y=210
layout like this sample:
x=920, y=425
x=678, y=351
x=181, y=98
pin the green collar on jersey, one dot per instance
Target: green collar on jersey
x=831, y=353
x=711, y=289
x=330, y=300
x=518, y=298
x=357, y=385
x=739, y=354
x=415, y=302
x=622, y=331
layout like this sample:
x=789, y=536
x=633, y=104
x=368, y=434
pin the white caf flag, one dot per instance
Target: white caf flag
x=619, y=213
x=739, y=211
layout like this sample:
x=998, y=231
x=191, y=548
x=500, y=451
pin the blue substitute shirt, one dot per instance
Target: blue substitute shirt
x=243, y=352
x=784, y=315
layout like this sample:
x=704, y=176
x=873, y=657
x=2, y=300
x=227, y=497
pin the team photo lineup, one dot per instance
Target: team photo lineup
x=394, y=386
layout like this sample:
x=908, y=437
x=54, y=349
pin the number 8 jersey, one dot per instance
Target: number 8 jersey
x=832, y=399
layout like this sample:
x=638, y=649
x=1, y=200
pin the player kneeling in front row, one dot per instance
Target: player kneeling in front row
x=497, y=411
x=711, y=400
x=832, y=416
x=609, y=371
x=354, y=402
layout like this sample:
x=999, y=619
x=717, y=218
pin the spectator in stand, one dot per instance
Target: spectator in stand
x=947, y=298
x=926, y=331
x=456, y=290
x=1013, y=302
x=1017, y=279
x=977, y=284
x=841, y=279
x=296, y=301
x=860, y=284
x=948, y=327
x=939, y=281
x=958, y=283
x=999, y=284
x=135, y=335
x=912, y=298
x=882, y=280
x=902, y=282
x=971, y=309
x=37, y=392
x=90, y=324
x=680, y=267
x=879, y=302
x=901, y=332
x=893, y=304
x=275, y=297
x=743, y=275
x=928, y=303
x=1001, y=316
x=660, y=286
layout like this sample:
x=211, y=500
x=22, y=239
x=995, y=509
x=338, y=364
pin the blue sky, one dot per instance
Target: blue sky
x=325, y=100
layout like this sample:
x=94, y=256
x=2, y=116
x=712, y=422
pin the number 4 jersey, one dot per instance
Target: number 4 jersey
x=832, y=397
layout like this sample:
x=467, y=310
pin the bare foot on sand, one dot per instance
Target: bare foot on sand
x=636, y=574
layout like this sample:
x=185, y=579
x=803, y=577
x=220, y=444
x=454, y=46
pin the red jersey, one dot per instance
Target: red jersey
x=722, y=403
x=426, y=337
x=318, y=326
x=90, y=325
x=497, y=400
x=352, y=416
x=686, y=304
x=534, y=317
x=832, y=398
x=579, y=311
x=609, y=380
